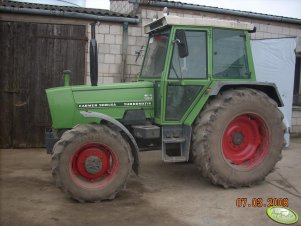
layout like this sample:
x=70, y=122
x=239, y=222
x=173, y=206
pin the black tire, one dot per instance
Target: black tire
x=79, y=144
x=216, y=134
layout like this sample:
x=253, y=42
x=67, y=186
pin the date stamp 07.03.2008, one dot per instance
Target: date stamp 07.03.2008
x=261, y=202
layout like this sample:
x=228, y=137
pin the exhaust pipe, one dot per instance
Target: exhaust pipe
x=93, y=57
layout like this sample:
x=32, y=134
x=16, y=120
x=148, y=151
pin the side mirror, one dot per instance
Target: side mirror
x=182, y=43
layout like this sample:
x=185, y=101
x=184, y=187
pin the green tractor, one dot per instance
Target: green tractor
x=196, y=99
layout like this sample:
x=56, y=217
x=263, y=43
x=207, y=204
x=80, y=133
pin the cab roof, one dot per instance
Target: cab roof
x=204, y=22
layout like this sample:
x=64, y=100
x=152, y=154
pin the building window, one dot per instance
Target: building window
x=297, y=83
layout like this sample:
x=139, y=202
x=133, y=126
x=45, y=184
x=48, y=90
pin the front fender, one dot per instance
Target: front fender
x=132, y=141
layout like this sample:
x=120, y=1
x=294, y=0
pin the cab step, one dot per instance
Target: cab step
x=176, y=143
x=175, y=159
x=174, y=140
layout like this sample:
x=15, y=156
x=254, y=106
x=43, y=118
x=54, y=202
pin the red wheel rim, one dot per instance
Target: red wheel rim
x=246, y=141
x=93, y=165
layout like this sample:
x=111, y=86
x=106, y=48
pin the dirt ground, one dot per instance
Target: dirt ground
x=163, y=194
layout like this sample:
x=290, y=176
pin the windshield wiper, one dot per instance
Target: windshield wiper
x=138, y=52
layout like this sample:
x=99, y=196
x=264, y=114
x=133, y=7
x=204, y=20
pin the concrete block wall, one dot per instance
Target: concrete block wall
x=296, y=121
x=109, y=43
x=136, y=40
x=277, y=30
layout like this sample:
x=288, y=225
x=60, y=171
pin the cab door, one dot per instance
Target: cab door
x=188, y=76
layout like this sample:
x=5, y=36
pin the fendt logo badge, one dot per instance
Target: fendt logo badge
x=148, y=96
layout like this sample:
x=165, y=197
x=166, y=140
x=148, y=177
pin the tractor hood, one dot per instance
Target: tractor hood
x=114, y=100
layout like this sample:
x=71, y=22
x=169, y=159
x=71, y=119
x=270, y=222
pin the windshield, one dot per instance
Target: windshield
x=155, y=54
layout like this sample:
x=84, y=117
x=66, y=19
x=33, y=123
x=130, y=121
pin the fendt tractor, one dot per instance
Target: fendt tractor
x=196, y=99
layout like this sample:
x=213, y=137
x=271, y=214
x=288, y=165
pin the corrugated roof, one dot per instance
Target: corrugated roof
x=211, y=9
x=97, y=12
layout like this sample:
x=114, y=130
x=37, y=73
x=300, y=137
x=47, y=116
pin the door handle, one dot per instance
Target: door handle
x=21, y=104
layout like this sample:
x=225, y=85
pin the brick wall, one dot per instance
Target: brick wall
x=109, y=41
x=136, y=40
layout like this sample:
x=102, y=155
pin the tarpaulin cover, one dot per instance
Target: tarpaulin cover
x=274, y=61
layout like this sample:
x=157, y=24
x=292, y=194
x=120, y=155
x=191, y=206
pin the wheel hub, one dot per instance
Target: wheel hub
x=237, y=138
x=93, y=164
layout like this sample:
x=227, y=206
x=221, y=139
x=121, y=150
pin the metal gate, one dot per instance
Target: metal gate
x=32, y=58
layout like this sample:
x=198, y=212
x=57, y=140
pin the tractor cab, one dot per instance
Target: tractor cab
x=184, y=56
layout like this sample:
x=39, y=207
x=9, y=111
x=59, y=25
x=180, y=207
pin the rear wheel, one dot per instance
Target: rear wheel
x=238, y=138
x=91, y=163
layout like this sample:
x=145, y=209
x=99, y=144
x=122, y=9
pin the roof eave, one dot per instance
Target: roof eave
x=209, y=9
x=74, y=15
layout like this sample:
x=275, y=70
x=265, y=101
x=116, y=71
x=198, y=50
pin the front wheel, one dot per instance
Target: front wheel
x=238, y=138
x=91, y=163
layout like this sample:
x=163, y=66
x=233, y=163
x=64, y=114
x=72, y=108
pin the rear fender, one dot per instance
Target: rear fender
x=268, y=88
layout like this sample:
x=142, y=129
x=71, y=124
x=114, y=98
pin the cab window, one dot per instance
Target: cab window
x=194, y=65
x=229, y=54
x=154, y=59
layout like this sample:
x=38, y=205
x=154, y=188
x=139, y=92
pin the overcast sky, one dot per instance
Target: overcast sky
x=288, y=8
